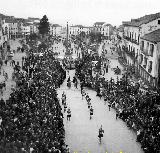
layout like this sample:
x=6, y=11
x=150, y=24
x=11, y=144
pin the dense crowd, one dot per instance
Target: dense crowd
x=140, y=110
x=31, y=119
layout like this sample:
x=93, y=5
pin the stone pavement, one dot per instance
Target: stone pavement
x=9, y=69
x=112, y=56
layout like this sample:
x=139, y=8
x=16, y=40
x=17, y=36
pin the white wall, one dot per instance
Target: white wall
x=149, y=27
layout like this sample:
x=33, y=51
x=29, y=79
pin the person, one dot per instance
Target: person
x=82, y=86
x=69, y=84
x=75, y=82
x=91, y=112
x=1, y=89
x=83, y=93
x=63, y=98
x=68, y=114
x=65, y=106
x=5, y=62
x=109, y=106
x=100, y=135
x=69, y=79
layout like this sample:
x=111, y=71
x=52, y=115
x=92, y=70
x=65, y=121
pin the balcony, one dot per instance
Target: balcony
x=129, y=53
x=131, y=40
x=144, y=51
x=134, y=41
x=150, y=70
x=127, y=38
x=144, y=66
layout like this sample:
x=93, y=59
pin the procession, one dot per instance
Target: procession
x=72, y=88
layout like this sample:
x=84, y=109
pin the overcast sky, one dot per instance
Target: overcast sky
x=84, y=12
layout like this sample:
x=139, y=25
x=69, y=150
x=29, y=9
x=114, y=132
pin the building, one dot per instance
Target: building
x=134, y=30
x=55, y=30
x=3, y=40
x=34, y=20
x=149, y=64
x=98, y=27
x=26, y=30
x=107, y=30
x=77, y=29
x=13, y=28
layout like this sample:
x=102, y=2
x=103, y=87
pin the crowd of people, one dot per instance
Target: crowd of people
x=31, y=119
x=138, y=109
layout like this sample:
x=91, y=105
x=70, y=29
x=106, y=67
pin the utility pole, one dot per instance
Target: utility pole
x=67, y=39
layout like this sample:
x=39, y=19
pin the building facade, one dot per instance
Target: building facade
x=134, y=30
x=98, y=27
x=77, y=29
x=3, y=40
x=149, y=63
x=55, y=30
x=107, y=30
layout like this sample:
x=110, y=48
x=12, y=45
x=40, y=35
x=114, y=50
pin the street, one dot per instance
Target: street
x=82, y=133
x=9, y=69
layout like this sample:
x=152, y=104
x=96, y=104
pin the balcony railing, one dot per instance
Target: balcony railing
x=144, y=66
x=150, y=70
x=129, y=53
x=131, y=40
x=145, y=52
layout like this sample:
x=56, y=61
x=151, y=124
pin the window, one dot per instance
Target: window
x=150, y=66
x=138, y=37
x=142, y=45
x=145, y=62
x=147, y=47
x=151, y=49
x=158, y=21
x=141, y=59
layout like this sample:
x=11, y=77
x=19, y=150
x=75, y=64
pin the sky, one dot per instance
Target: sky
x=84, y=12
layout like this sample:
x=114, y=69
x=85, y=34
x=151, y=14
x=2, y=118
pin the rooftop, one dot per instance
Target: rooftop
x=120, y=28
x=142, y=20
x=27, y=24
x=8, y=20
x=99, y=23
x=56, y=25
x=153, y=36
x=79, y=26
x=32, y=18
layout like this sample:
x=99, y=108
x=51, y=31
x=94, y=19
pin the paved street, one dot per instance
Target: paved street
x=82, y=133
x=59, y=48
x=113, y=58
x=9, y=69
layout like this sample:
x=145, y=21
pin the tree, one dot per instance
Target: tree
x=44, y=26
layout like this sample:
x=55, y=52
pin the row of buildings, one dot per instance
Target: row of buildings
x=12, y=28
x=139, y=44
x=99, y=27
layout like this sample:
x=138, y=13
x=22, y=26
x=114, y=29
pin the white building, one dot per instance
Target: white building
x=3, y=40
x=26, y=30
x=107, y=30
x=150, y=58
x=55, y=30
x=133, y=31
x=77, y=29
x=98, y=27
